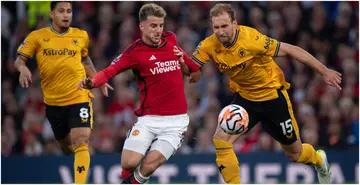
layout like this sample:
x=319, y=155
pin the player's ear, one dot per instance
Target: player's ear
x=141, y=26
x=235, y=22
x=52, y=15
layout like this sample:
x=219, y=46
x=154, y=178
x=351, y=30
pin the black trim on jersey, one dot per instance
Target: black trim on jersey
x=160, y=46
x=23, y=54
x=197, y=60
x=128, y=50
x=52, y=29
x=234, y=41
x=277, y=50
x=138, y=76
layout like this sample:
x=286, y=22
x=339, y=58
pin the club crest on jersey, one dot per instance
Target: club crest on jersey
x=135, y=132
x=75, y=42
x=196, y=52
x=242, y=53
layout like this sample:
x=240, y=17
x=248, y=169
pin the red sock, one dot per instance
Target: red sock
x=125, y=173
x=134, y=181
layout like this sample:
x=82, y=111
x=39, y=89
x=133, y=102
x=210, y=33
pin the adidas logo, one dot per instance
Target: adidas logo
x=152, y=57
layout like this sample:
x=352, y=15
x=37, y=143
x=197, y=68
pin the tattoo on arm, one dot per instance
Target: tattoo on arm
x=89, y=66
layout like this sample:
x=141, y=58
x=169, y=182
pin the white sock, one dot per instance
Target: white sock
x=139, y=177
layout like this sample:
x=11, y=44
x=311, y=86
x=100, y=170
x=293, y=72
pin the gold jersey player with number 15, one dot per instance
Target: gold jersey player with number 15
x=246, y=56
x=61, y=53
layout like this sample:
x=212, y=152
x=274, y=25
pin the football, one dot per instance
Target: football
x=233, y=119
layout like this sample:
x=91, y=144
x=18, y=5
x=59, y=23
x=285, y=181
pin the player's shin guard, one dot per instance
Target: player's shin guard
x=81, y=164
x=309, y=156
x=227, y=162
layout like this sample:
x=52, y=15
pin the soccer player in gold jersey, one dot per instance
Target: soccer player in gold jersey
x=62, y=56
x=246, y=56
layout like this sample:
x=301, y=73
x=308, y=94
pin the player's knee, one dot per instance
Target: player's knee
x=221, y=135
x=293, y=156
x=66, y=150
x=129, y=164
x=80, y=140
x=149, y=166
x=153, y=161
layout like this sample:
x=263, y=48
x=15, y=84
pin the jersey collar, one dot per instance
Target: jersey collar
x=52, y=29
x=162, y=44
x=234, y=41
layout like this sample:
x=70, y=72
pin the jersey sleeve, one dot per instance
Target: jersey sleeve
x=85, y=50
x=201, y=54
x=264, y=45
x=29, y=46
x=190, y=63
x=121, y=63
x=187, y=60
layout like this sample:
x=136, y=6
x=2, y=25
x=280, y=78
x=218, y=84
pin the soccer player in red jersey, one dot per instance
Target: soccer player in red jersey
x=158, y=63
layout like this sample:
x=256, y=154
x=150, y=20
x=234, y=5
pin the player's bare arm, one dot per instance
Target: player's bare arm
x=331, y=77
x=91, y=72
x=25, y=74
x=89, y=66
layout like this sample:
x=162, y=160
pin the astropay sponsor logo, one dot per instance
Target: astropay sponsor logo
x=164, y=67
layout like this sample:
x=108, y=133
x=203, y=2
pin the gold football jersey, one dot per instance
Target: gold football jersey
x=247, y=61
x=59, y=57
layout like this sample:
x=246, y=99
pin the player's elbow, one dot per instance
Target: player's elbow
x=286, y=49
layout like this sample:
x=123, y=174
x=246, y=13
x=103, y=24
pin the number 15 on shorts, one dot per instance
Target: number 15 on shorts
x=287, y=127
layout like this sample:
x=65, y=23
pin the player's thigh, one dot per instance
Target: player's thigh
x=279, y=120
x=80, y=123
x=170, y=139
x=254, y=118
x=57, y=116
x=140, y=136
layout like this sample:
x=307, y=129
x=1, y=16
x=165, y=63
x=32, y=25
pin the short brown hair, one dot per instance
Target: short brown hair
x=151, y=9
x=221, y=8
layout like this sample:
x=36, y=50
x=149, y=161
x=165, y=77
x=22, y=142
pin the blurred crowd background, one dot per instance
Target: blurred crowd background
x=328, y=118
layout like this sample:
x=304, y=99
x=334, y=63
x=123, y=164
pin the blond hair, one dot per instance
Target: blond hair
x=221, y=8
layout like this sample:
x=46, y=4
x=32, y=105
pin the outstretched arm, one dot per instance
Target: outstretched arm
x=118, y=65
x=330, y=76
x=91, y=72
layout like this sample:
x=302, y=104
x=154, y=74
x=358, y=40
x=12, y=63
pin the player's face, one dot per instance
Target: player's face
x=152, y=28
x=62, y=15
x=223, y=28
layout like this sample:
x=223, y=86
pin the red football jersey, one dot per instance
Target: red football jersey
x=158, y=75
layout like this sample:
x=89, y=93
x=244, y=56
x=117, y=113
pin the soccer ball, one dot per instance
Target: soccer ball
x=233, y=119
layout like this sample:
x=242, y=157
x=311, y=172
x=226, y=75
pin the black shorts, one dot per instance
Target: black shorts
x=276, y=116
x=64, y=118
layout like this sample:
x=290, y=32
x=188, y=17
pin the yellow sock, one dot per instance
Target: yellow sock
x=309, y=156
x=81, y=164
x=227, y=162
